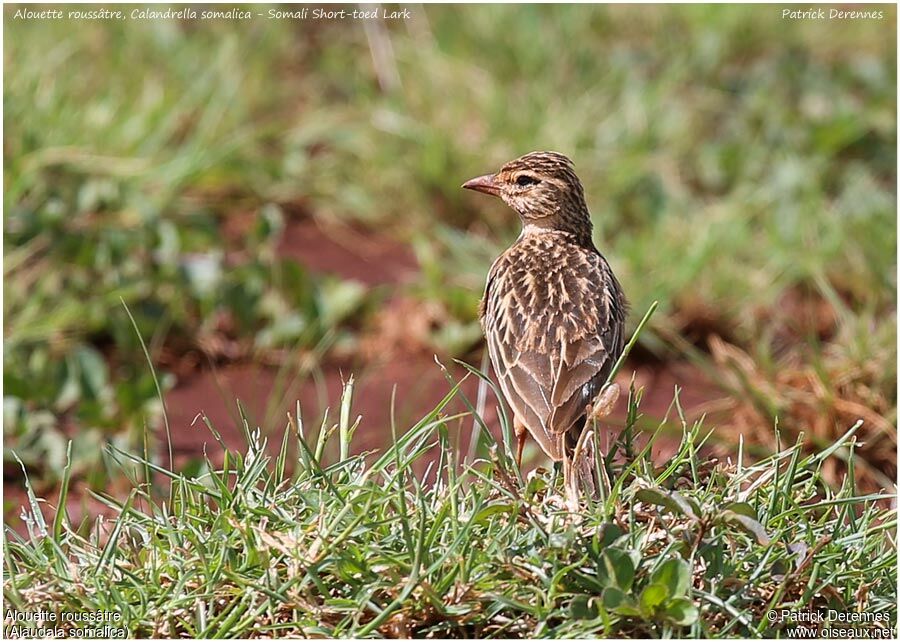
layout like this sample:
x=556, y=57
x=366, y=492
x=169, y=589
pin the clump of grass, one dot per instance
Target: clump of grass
x=834, y=390
x=287, y=541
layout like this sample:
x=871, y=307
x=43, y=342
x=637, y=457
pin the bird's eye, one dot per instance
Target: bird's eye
x=525, y=179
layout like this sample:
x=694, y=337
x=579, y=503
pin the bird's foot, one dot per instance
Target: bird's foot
x=605, y=401
x=573, y=496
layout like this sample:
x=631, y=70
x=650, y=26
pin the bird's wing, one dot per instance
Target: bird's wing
x=552, y=358
x=590, y=333
x=520, y=374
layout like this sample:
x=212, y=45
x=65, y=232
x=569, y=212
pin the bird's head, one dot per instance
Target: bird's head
x=542, y=188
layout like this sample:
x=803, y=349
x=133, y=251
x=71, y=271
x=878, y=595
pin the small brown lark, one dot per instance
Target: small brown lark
x=553, y=312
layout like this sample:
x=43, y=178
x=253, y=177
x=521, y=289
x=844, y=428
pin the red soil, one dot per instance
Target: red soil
x=420, y=387
x=348, y=252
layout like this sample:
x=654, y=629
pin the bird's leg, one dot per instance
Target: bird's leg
x=583, y=460
x=570, y=481
x=584, y=454
x=570, y=476
x=521, y=436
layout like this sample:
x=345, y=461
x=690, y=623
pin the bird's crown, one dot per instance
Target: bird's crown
x=547, y=163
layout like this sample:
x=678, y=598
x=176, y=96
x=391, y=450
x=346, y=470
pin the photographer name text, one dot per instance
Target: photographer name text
x=820, y=13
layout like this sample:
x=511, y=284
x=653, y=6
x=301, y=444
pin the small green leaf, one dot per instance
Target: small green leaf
x=742, y=508
x=619, y=567
x=675, y=575
x=652, y=597
x=489, y=511
x=618, y=602
x=682, y=611
x=747, y=524
x=613, y=598
x=695, y=505
x=670, y=499
x=535, y=485
x=583, y=607
x=607, y=534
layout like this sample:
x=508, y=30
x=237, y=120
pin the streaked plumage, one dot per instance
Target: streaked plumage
x=553, y=312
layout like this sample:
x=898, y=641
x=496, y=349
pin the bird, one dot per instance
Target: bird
x=553, y=311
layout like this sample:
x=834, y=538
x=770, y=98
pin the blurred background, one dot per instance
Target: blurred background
x=278, y=204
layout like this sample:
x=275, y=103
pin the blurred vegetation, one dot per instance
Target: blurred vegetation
x=741, y=169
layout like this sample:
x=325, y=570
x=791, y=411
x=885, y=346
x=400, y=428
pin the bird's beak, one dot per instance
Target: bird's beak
x=485, y=184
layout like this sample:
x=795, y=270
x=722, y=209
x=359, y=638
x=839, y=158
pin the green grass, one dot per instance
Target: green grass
x=735, y=163
x=292, y=540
